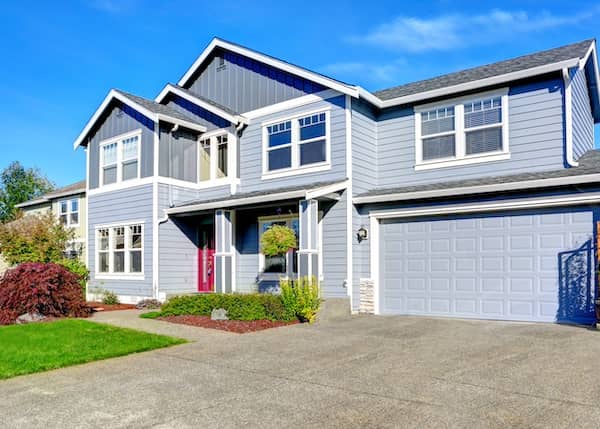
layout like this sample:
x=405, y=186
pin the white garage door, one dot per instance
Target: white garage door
x=486, y=267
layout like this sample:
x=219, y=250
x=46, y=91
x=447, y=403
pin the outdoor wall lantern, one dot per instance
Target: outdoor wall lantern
x=362, y=234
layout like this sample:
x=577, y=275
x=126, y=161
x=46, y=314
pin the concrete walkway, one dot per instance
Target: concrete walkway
x=367, y=372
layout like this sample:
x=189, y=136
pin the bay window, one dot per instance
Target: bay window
x=296, y=143
x=120, y=158
x=462, y=131
x=119, y=250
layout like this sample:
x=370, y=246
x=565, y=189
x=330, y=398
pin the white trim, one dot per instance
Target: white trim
x=218, y=43
x=327, y=189
x=169, y=88
x=290, y=104
x=155, y=222
x=126, y=275
x=460, y=156
x=121, y=185
x=233, y=222
x=70, y=211
x=113, y=94
x=516, y=204
x=278, y=196
x=569, y=151
x=473, y=85
x=295, y=145
x=349, y=206
x=374, y=261
x=113, y=224
x=497, y=187
x=118, y=140
x=224, y=181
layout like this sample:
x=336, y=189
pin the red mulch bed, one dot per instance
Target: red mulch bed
x=98, y=306
x=237, y=326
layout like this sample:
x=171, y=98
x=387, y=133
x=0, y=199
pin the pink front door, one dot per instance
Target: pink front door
x=206, y=259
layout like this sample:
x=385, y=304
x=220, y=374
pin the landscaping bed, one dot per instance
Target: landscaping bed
x=237, y=326
x=98, y=306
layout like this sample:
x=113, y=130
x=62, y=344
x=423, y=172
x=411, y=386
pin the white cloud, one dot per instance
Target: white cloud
x=447, y=32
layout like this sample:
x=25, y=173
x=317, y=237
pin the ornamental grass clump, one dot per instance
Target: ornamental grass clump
x=301, y=297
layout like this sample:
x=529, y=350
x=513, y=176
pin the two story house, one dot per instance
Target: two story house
x=468, y=195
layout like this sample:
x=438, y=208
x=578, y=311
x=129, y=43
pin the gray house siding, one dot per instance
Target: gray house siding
x=583, y=121
x=536, y=139
x=178, y=257
x=334, y=247
x=360, y=254
x=243, y=84
x=247, y=253
x=123, y=206
x=251, y=145
x=364, y=147
x=118, y=120
x=178, y=154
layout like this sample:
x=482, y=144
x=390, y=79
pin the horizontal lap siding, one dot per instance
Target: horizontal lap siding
x=334, y=247
x=246, y=253
x=583, y=122
x=123, y=206
x=121, y=119
x=364, y=148
x=535, y=140
x=251, y=150
x=178, y=256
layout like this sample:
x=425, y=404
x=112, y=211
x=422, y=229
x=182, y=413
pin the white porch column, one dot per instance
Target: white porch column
x=224, y=251
x=308, y=249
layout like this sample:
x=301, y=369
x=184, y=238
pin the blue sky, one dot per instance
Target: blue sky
x=61, y=58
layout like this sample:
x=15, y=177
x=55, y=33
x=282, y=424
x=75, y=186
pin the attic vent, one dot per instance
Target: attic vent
x=220, y=62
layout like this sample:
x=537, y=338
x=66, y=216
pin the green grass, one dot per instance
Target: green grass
x=25, y=349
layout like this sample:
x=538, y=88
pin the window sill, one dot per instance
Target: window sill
x=474, y=159
x=312, y=168
x=132, y=277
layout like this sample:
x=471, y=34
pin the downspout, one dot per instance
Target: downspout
x=569, y=155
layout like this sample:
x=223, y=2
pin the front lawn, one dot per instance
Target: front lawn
x=25, y=349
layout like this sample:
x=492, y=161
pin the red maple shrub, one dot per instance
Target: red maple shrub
x=8, y=317
x=48, y=289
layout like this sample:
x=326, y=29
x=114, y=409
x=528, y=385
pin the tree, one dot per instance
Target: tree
x=19, y=184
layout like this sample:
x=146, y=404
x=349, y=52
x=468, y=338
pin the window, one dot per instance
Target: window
x=68, y=212
x=213, y=158
x=288, y=263
x=296, y=143
x=465, y=130
x=120, y=249
x=120, y=159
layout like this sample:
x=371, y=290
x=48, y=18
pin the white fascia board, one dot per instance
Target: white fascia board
x=282, y=65
x=499, y=187
x=519, y=204
x=592, y=53
x=183, y=123
x=32, y=203
x=235, y=119
x=325, y=190
x=477, y=84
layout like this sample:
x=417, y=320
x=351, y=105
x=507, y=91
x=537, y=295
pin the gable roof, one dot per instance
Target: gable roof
x=65, y=191
x=207, y=104
x=217, y=43
x=148, y=108
x=587, y=172
x=496, y=73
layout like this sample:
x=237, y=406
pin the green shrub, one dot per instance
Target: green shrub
x=109, y=298
x=78, y=268
x=277, y=240
x=151, y=315
x=301, y=298
x=238, y=306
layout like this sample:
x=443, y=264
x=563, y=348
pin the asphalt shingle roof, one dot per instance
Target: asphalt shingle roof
x=575, y=50
x=206, y=100
x=589, y=163
x=72, y=189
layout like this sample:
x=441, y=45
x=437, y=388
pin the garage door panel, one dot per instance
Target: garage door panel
x=495, y=267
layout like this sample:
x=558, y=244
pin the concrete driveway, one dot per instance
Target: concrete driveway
x=366, y=372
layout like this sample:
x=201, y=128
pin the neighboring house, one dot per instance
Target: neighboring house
x=69, y=205
x=474, y=194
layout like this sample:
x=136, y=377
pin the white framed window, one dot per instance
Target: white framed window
x=120, y=158
x=285, y=265
x=120, y=250
x=298, y=144
x=215, y=157
x=462, y=131
x=68, y=212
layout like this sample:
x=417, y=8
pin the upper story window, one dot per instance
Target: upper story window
x=213, y=157
x=462, y=131
x=68, y=212
x=296, y=144
x=120, y=158
x=119, y=249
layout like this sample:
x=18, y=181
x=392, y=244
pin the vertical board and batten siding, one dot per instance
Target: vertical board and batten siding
x=210, y=120
x=178, y=154
x=251, y=149
x=243, y=84
x=364, y=147
x=121, y=119
x=334, y=247
x=116, y=207
x=583, y=121
x=536, y=140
